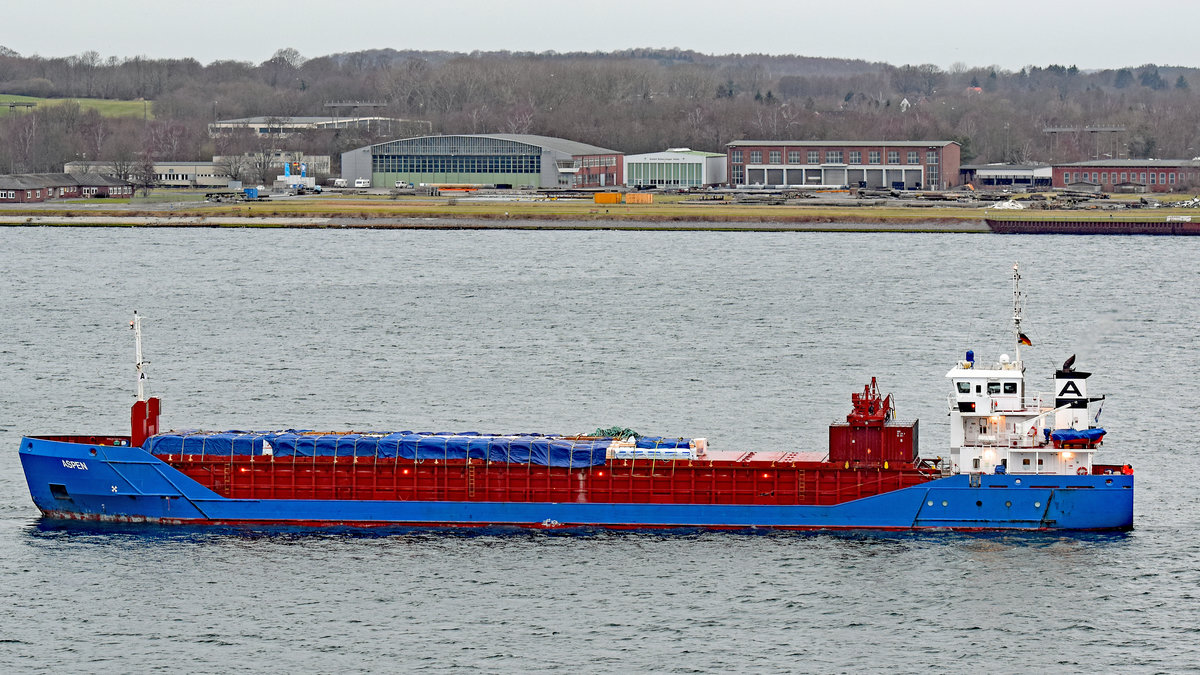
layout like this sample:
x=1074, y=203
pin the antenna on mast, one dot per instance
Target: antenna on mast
x=140, y=363
x=1018, y=336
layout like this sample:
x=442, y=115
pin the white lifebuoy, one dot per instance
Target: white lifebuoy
x=1082, y=471
x=1032, y=432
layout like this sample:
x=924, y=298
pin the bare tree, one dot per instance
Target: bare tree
x=233, y=166
x=143, y=175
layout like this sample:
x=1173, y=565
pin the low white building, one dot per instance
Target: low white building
x=675, y=168
x=250, y=168
x=266, y=125
x=1015, y=176
x=166, y=174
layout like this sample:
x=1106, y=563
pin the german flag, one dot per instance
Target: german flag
x=1024, y=339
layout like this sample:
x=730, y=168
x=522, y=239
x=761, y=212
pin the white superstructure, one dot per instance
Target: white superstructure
x=998, y=426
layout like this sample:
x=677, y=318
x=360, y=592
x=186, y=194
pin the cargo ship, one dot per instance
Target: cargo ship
x=1169, y=225
x=1015, y=460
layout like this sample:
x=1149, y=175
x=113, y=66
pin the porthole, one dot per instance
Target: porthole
x=1018, y=481
x=1108, y=481
x=93, y=451
x=945, y=503
x=1037, y=505
x=1008, y=504
x=930, y=502
x=978, y=503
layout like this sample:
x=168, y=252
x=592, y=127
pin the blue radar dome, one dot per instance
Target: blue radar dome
x=970, y=356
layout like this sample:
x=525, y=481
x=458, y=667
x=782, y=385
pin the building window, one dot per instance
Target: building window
x=756, y=156
x=735, y=157
x=912, y=157
x=1103, y=176
x=856, y=157
x=1124, y=176
x=1143, y=178
x=1152, y=179
x=793, y=156
x=833, y=156
x=1171, y=176
x=1095, y=177
x=776, y=157
x=893, y=157
x=931, y=157
x=814, y=157
x=873, y=157
x=934, y=177
x=1162, y=179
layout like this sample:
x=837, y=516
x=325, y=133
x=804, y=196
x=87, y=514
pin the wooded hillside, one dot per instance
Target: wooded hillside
x=633, y=101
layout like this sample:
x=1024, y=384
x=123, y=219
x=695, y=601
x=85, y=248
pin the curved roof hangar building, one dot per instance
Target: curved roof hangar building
x=513, y=160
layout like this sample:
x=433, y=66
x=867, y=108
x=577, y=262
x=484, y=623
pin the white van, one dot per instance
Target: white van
x=362, y=182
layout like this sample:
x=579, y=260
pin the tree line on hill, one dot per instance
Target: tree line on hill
x=632, y=101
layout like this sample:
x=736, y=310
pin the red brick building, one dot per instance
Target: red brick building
x=905, y=165
x=38, y=187
x=1131, y=175
x=599, y=171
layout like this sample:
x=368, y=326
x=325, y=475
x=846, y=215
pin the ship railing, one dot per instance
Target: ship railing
x=944, y=466
x=1005, y=404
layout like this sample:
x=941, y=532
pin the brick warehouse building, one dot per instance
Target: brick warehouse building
x=905, y=165
x=1132, y=175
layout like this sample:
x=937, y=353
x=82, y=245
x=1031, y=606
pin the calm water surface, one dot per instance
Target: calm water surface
x=754, y=340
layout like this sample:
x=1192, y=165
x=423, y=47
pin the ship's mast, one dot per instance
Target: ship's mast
x=1017, y=311
x=140, y=364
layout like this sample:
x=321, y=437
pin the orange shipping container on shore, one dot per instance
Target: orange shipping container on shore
x=639, y=198
x=607, y=198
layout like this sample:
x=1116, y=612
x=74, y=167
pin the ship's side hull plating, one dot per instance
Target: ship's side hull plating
x=98, y=482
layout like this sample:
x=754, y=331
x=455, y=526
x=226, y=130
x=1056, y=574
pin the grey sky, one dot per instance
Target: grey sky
x=1092, y=35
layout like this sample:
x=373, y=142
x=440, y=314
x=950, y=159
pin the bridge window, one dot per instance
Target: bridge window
x=1010, y=387
x=964, y=387
x=993, y=387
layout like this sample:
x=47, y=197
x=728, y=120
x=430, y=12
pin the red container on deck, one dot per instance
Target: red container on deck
x=874, y=445
x=869, y=437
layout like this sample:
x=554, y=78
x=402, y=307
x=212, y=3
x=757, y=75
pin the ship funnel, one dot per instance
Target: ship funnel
x=1070, y=391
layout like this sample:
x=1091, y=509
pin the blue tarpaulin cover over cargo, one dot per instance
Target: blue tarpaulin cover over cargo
x=522, y=449
x=1076, y=435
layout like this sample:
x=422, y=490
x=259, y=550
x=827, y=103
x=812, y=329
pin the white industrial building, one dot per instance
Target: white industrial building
x=1017, y=176
x=265, y=125
x=676, y=167
x=216, y=173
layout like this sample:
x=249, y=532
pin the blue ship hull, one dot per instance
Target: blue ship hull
x=126, y=484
